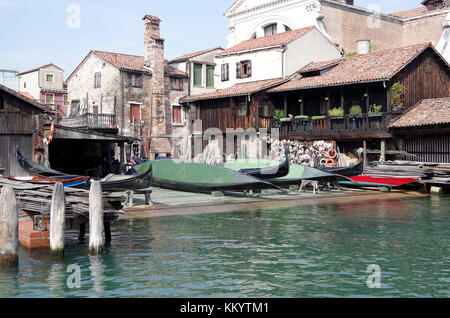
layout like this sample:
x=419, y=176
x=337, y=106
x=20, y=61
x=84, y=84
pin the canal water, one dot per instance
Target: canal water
x=308, y=251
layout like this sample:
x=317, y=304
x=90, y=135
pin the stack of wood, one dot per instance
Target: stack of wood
x=432, y=173
x=37, y=200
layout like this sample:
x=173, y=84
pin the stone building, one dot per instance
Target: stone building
x=134, y=96
x=341, y=20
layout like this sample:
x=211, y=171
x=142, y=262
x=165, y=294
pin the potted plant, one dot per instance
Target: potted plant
x=397, y=91
x=320, y=117
x=336, y=113
x=375, y=110
x=302, y=118
x=278, y=114
x=355, y=111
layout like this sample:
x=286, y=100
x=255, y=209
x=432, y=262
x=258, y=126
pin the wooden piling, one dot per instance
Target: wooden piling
x=108, y=237
x=9, y=227
x=96, y=223
x=57, y=219
x=81, y=235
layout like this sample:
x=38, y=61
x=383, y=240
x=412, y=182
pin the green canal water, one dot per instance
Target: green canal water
x=308, y=251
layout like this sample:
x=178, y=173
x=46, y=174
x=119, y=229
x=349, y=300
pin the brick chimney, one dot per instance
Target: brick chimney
x=154, y=61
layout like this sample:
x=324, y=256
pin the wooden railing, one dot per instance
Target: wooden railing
x=89, y=120
x=366, y=123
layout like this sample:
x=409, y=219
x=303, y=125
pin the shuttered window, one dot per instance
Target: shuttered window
x=266, y=108
x=242, y=108
x=209, y=76
x=244, y=69
x=225, y=72
x=98, y=80
x=176, y=114
x=135, y=113
x=198, y=70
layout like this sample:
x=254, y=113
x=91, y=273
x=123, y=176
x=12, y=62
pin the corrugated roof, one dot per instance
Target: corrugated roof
x=241, y=89
x=377, y=66
x=193, y=54
x=425, y=113
x=268, y=41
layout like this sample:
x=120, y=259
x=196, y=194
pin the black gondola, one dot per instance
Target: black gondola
x=269, y=173
x=352, y=171
x=111, y=183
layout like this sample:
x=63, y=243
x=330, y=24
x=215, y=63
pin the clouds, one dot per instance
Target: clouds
x=8, y=4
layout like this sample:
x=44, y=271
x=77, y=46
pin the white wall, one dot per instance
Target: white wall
x=296, y=14
x=32, y=81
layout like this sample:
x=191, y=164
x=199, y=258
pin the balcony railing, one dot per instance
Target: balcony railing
x=365, y=124
x=92, y=121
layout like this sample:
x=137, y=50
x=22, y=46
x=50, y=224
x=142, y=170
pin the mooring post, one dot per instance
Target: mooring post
x=57, y=219
x=9, y=227
x=96, y=224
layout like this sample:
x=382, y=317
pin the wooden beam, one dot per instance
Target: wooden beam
x=383, y=150
x=302, y=105
x=365, y=161
x=367, y=99
x=342, y=97
x=285, y=106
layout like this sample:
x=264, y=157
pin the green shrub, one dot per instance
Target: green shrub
x=318, y=117
x=302, y=117
x=278, y=114
x=355, y=110
x=351, y=54
x=397, y=91
x=374, y=108
x=336, y=112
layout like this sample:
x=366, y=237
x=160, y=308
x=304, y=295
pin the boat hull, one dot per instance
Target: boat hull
x=195, y=177
x=367, y=181
x=348, y=172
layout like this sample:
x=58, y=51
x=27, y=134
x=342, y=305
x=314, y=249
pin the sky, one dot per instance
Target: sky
x=38, y=32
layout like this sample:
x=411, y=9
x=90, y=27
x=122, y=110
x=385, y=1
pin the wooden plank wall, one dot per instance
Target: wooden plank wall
x=426, y=77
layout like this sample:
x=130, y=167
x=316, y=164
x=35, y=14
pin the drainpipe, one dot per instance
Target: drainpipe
x=283, y=66
x=189, y=77
x=122, y=102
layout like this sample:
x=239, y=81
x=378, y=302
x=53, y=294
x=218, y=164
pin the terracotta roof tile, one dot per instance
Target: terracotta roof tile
x=134, y=63
x=241, y=89
x=38, y=68
x=268, y=41
x=417, y=12
x=377, y=66
x=193, y=54
x=427, y=112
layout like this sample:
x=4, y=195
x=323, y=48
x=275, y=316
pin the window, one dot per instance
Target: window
x=66, y=100
x=49, y=77
x=176, y=83
x=2, y=103
x=135, y=113
x=49, y=99
x=244, y=69
x=209, y=76
x=266, y=108
x=176, y=115
x=198, y=70
x=242, y=108
x=135, y=80
x=270, y=29
x=225, y=72
x=98, y=80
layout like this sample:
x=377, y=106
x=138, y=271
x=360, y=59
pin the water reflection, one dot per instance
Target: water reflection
x=57, y=280
x=9, y=283
x=97, y=269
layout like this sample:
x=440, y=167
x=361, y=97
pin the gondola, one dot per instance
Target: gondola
x=119, y=183
x=111, y=183
x=196, y=177
x=259, y=168
x=78, y=182
x=352, y=171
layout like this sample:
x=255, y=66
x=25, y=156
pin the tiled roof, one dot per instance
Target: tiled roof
x=38, y=68
x=268, y=41
x=193, y=54
x=172, y=71
x=377, y=66
x=130, y=63
x=123, y=61
x=27, y=95
x=151, y=18
x=427, y=112
x=23, y=97
x=241, y=89
x=417, y=12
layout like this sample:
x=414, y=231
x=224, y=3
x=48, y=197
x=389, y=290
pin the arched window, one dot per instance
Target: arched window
x=270, y=29
x=253, y=36
x=286, y=28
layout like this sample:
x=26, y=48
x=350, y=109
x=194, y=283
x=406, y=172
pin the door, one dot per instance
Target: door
x=135, y=113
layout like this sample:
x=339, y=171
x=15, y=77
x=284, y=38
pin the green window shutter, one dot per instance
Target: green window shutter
x=198, y=68
x=209, y=76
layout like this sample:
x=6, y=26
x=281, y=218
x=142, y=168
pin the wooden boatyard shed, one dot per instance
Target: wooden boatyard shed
x=21, y=127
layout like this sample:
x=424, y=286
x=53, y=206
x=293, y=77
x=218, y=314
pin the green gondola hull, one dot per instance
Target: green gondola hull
x=297, y=173
x=188, y=176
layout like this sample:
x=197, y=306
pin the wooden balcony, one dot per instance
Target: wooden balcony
x=340, y=128
x=91, y=121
